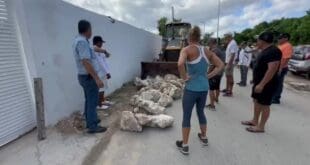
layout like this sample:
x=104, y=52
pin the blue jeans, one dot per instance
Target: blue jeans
x=277, y=95
x=190, y=98
x=91, y=93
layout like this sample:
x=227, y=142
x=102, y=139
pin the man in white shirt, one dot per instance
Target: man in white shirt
x=245, y=58
x=231, y=53
x=104, y=69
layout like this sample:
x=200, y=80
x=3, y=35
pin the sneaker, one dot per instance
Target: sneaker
x=183, y=150
x=108, y=103
x=204, y=141
x=103, y=107
x=99, y=129
x=276, y=102
x=211, y=107
x=105, y=114
x=227, y=94
x=224, y=90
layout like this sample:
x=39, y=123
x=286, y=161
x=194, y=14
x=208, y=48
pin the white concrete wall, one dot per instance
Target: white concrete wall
x=48, y=28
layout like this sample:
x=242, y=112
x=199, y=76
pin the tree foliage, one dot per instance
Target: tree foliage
x=206, y=37
x=298, y=28
x=161, y=25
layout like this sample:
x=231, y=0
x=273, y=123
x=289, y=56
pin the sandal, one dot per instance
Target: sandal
x=254, y=130
x=248, y=123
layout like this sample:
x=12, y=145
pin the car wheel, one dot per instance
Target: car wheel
x=308, y=76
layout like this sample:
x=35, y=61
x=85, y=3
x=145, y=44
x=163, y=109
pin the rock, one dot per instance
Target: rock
x=176, y=93
x=165, y=100
x=171, y=90
x=129, y=122
x=143, y=119
x=141, y=83
x=161, y=121
x=134, y=100
x=176, y=83
x=155, y=121
x=170, y=77
x=136, y=110
x=152, y=95
x=151, y=107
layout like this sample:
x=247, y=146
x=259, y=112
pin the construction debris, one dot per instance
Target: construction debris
x=150, y=103
x=129, y=122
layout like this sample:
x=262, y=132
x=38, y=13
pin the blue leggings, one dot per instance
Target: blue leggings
x=190, y=98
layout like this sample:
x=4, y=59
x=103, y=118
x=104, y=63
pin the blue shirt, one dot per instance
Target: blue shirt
x=82, y=50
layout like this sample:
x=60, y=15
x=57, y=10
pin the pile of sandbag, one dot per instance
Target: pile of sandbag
x=150, y=103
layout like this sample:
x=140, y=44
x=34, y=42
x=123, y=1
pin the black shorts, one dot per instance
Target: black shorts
x=264, y=98
x=215, y=82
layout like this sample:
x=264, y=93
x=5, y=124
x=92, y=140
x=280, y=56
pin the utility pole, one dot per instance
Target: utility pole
x=172, y=10
x=218, y=21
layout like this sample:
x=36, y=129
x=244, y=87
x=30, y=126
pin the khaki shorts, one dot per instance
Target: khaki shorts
x=229, y=71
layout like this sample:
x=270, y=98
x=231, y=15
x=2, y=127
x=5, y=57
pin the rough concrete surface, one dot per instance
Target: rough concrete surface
x=286, y=141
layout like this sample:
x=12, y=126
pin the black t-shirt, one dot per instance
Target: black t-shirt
x=270, y=54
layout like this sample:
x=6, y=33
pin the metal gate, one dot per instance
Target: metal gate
x=16, y=105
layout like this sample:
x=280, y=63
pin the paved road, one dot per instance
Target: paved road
x=286, y=142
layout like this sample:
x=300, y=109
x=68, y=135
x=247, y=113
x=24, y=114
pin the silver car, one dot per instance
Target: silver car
x=300, y=61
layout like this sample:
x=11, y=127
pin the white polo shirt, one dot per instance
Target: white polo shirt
x=231, y=48
x=244, y=57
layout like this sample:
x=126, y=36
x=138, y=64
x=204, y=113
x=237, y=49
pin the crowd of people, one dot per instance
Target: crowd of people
x=202, y=69
x=206, y=66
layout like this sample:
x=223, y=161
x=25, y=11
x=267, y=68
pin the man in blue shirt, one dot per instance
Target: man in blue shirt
x=87, y=67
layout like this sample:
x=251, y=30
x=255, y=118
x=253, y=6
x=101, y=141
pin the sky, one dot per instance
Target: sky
x=235, y=15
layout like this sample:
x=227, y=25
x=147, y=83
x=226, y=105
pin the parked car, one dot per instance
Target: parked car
x=300, y=61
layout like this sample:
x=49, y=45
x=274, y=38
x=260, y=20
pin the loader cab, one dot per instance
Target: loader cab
x=175, y=39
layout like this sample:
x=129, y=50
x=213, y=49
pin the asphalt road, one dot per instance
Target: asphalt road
x=286, y=141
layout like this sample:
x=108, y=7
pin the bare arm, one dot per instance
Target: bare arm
x=101, y=50
x=284, y=63
x=181, y=65
x=218, y=64
x=272, y=69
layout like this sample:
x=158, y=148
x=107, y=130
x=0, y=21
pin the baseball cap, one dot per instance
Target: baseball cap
x=284, y=35
x=266, y=36
x=97, y=39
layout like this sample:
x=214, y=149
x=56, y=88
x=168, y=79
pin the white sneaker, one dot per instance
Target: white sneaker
x=103, y=107
x=108, y=103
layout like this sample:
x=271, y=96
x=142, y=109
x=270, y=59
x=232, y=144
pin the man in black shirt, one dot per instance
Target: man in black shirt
x=215, y=82
x=264, y=81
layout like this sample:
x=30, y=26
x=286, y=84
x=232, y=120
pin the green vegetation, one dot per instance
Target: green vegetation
x=161, y=26
x=298, y=28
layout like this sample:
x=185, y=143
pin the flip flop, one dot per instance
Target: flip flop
x=248, y=123
x=253, y=130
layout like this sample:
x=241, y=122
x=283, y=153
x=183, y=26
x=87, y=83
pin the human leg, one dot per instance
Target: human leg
x=256, y=115
x=279, y=88
x=200, y=102
x=188, y=102
x=93, y=96
x=246, y=70
x=101, y=98
x=265, y=110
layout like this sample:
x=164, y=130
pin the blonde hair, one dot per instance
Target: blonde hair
x=195, y=34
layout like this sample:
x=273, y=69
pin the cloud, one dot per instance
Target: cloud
x=236, y=15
